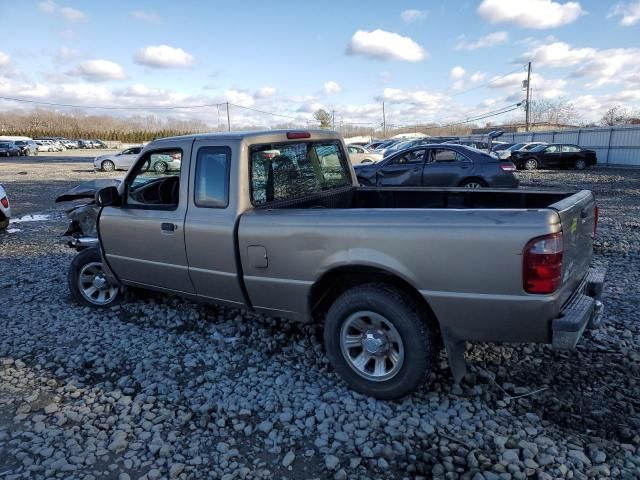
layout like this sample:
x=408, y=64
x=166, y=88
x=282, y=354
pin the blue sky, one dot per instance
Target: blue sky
x=429, y=60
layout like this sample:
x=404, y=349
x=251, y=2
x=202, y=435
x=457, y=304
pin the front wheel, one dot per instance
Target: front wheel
x=88, y=283
x=531, y=164
x=378, y=341
x=108, y=166
x=160, y=167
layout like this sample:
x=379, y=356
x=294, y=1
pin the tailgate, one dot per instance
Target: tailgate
x=577, y=214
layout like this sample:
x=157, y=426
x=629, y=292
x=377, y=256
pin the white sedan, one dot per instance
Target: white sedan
x=358, y=155
x=5, y=209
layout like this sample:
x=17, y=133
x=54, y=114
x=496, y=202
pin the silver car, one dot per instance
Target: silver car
x=5, y=209
x=358, y=155
x=117, y=161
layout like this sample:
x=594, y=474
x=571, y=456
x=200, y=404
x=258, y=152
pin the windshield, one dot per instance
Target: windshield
x=288, y=170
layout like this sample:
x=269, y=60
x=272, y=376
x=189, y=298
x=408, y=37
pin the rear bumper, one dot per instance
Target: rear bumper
x=583, y=309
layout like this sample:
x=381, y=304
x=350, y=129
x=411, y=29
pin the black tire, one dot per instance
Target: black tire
x=411, y=325
x=160, y=167
x=473, y=183
x=4, y=223
x=108, y=166
x=580, y=164
x=530, y=164
x=85, y=258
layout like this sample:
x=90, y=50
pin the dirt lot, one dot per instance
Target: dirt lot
x=163, y=388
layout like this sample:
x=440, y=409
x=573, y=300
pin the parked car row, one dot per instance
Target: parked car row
x=123, y=160
x=17, y=146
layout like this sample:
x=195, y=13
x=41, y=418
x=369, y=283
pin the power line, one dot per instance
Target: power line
x=51, y=104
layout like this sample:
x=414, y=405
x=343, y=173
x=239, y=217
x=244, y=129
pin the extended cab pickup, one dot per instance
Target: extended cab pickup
x=275, y=222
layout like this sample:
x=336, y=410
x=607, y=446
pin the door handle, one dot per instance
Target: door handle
x=168, y=227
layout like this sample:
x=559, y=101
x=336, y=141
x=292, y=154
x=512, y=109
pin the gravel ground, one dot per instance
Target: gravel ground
x=163, y=388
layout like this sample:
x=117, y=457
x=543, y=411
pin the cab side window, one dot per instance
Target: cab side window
x=415, y=156
x=570, y=148
x=212, y=177
x=443, y=155
x=155, y=181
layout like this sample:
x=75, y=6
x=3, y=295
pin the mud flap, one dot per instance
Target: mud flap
x=455, y=353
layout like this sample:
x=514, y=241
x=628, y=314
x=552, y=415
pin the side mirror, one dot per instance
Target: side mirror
x=108, y=197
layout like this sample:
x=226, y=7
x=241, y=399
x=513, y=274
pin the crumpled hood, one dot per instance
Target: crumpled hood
x=87, y=189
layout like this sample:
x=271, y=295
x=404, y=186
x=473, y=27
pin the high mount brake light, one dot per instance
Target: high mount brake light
x=295, y=135
x=542, y=265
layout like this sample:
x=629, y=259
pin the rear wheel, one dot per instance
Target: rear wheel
x=531, y=164
x=160, y=167
x=4, y=223
x=378, y=341
x=88, y=283
x=474, y=183
x=108, y=166
x=580, y=164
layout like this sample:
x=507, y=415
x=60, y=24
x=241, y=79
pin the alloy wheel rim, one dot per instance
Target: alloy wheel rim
x=94, y=286
x=530, y=164
x=371, y=346
x=473, y=185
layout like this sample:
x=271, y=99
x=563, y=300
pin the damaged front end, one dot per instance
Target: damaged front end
x=83, y=226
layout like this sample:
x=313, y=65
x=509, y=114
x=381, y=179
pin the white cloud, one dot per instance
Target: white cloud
x=613, y=65
x=457, y=73
x=413, y=15
x=558, y=54
x=240, y=97
x=48, y=7
x=478, y=77
x=5, y=59
x=541, y=86
x=151, y=18
x=536, y=14
x=384, y=45
x=331, y=87
x=265, y=92
x=99, y=71
x=163, y=56
x=495, y=38
x=70, y=14
x=630, y=13
x=416, y=97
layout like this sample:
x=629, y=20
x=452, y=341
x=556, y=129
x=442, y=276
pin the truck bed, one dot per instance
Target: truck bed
x=399, y=197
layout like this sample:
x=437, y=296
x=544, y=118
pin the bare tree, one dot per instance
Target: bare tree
x=323, y=117
x=556, y=112
x=617, y=115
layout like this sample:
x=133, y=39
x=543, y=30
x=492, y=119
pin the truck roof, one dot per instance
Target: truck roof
x=241, y=135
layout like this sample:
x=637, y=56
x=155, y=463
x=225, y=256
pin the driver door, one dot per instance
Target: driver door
x=143, y=240
x=404, y=170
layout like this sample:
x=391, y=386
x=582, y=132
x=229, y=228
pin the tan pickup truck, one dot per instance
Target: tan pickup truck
x=275, y=222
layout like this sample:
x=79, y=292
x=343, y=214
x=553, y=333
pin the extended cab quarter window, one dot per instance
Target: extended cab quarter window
x=155, y=181
x=212, y=177
x=288, y=170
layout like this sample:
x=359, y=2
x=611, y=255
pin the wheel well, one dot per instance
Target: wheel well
x=476, y=179
x=327, y=289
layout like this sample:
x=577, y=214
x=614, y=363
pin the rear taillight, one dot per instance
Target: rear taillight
x=595, y=220
x=542, y=269
x=295, y=135
x=5, y=202
x=508, y=167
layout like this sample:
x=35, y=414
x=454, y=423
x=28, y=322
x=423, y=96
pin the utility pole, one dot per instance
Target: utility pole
x=228, y=119
x=384, y=122
x=527, y=120
x=333, y=119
